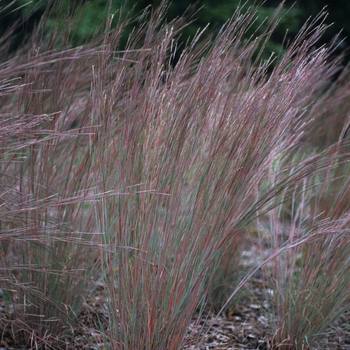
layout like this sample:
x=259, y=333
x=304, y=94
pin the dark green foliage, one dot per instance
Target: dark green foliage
x=90, y=14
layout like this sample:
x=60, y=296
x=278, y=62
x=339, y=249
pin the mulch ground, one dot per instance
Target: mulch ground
x=243, y=326
x=246, y=325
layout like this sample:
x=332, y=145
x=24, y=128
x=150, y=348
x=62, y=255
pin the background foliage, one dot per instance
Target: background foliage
x=200, y=14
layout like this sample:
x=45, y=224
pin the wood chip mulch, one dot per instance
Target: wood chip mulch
x=244, y=326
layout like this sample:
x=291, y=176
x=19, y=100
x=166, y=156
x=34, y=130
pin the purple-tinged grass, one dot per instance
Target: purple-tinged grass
x=310, y=272
x=165, y=162
x=49, y=259
x=184, y=149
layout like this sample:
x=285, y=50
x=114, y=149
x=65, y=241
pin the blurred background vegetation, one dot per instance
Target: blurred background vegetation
x=25, y=13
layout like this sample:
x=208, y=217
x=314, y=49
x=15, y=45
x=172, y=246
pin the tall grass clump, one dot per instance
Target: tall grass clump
x=310, y=278
x=48, y=258
x=182, y=150
x=142, y=169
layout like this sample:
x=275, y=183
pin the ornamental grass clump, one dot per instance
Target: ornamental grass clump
x=310, y=277
x=184, y=149
x=48, y=253
x=141, y=169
